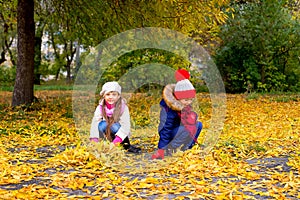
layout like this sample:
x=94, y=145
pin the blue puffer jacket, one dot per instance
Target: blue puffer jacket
x=169, y=117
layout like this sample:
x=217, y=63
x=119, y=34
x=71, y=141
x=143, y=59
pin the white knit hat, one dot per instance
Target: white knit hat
x=184, y=89
x=110, y=87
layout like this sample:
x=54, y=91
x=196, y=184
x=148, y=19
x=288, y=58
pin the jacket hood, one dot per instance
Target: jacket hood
x=170, y=99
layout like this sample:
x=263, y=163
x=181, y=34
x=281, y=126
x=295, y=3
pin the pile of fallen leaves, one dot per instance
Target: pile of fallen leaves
x=257, y=155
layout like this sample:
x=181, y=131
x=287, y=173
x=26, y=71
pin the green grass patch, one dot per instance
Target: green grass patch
x=6, y=88
x=53, y=87
x=284, y=99
x=40, y=87
x=274, y=96
x=253, y=96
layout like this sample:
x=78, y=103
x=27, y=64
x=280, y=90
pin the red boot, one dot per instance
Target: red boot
x=159, y=154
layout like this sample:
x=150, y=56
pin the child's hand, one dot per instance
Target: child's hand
x=191, y=118
x=94, y=140
x=117, y=140
x=188, y=116
x=192, y=129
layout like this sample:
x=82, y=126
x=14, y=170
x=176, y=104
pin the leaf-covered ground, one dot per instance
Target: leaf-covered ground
x=257, y=155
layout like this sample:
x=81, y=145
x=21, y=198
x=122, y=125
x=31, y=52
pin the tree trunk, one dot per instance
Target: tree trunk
x=8, y=40
x=69, y=58
x=68, y=68
x=68, y=78
x=57, y=74
x=78, y=63
x=38, y=52
x=23, y=89
x=37, y=59
x=2, y=57
x=12, y=57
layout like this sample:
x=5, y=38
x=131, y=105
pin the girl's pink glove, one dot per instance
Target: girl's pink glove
x=94, y=139
x=117, y=140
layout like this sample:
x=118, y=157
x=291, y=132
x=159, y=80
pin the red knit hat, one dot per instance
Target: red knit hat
x=183, y=88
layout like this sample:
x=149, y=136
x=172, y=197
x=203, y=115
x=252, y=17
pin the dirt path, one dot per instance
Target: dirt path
x=256, y=189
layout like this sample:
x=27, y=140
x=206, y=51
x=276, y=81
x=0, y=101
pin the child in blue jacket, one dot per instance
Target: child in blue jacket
x=178, y=125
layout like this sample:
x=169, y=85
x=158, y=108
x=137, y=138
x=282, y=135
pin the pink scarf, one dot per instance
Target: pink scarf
x=109, y=108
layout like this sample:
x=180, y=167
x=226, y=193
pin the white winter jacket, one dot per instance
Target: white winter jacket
x=124, y=130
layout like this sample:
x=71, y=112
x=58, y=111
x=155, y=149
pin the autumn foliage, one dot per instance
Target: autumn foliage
x=257, y=155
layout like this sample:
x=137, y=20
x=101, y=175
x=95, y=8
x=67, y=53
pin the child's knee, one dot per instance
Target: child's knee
x=102, y=126
x=115, y=127
x=199, y=126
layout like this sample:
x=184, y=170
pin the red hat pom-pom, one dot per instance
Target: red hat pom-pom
x=181, y=74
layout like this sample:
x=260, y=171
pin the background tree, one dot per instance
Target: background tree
x=201, y=24
x=23, y=89
x=8, y=30
x=259, y=47
x=87, y=23
x=42, y=13
x=198, y=19
x=71, y=24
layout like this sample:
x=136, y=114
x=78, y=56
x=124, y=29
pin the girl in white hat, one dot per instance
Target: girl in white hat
x=112, y=119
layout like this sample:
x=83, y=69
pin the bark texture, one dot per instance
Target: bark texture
x=23, y=89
